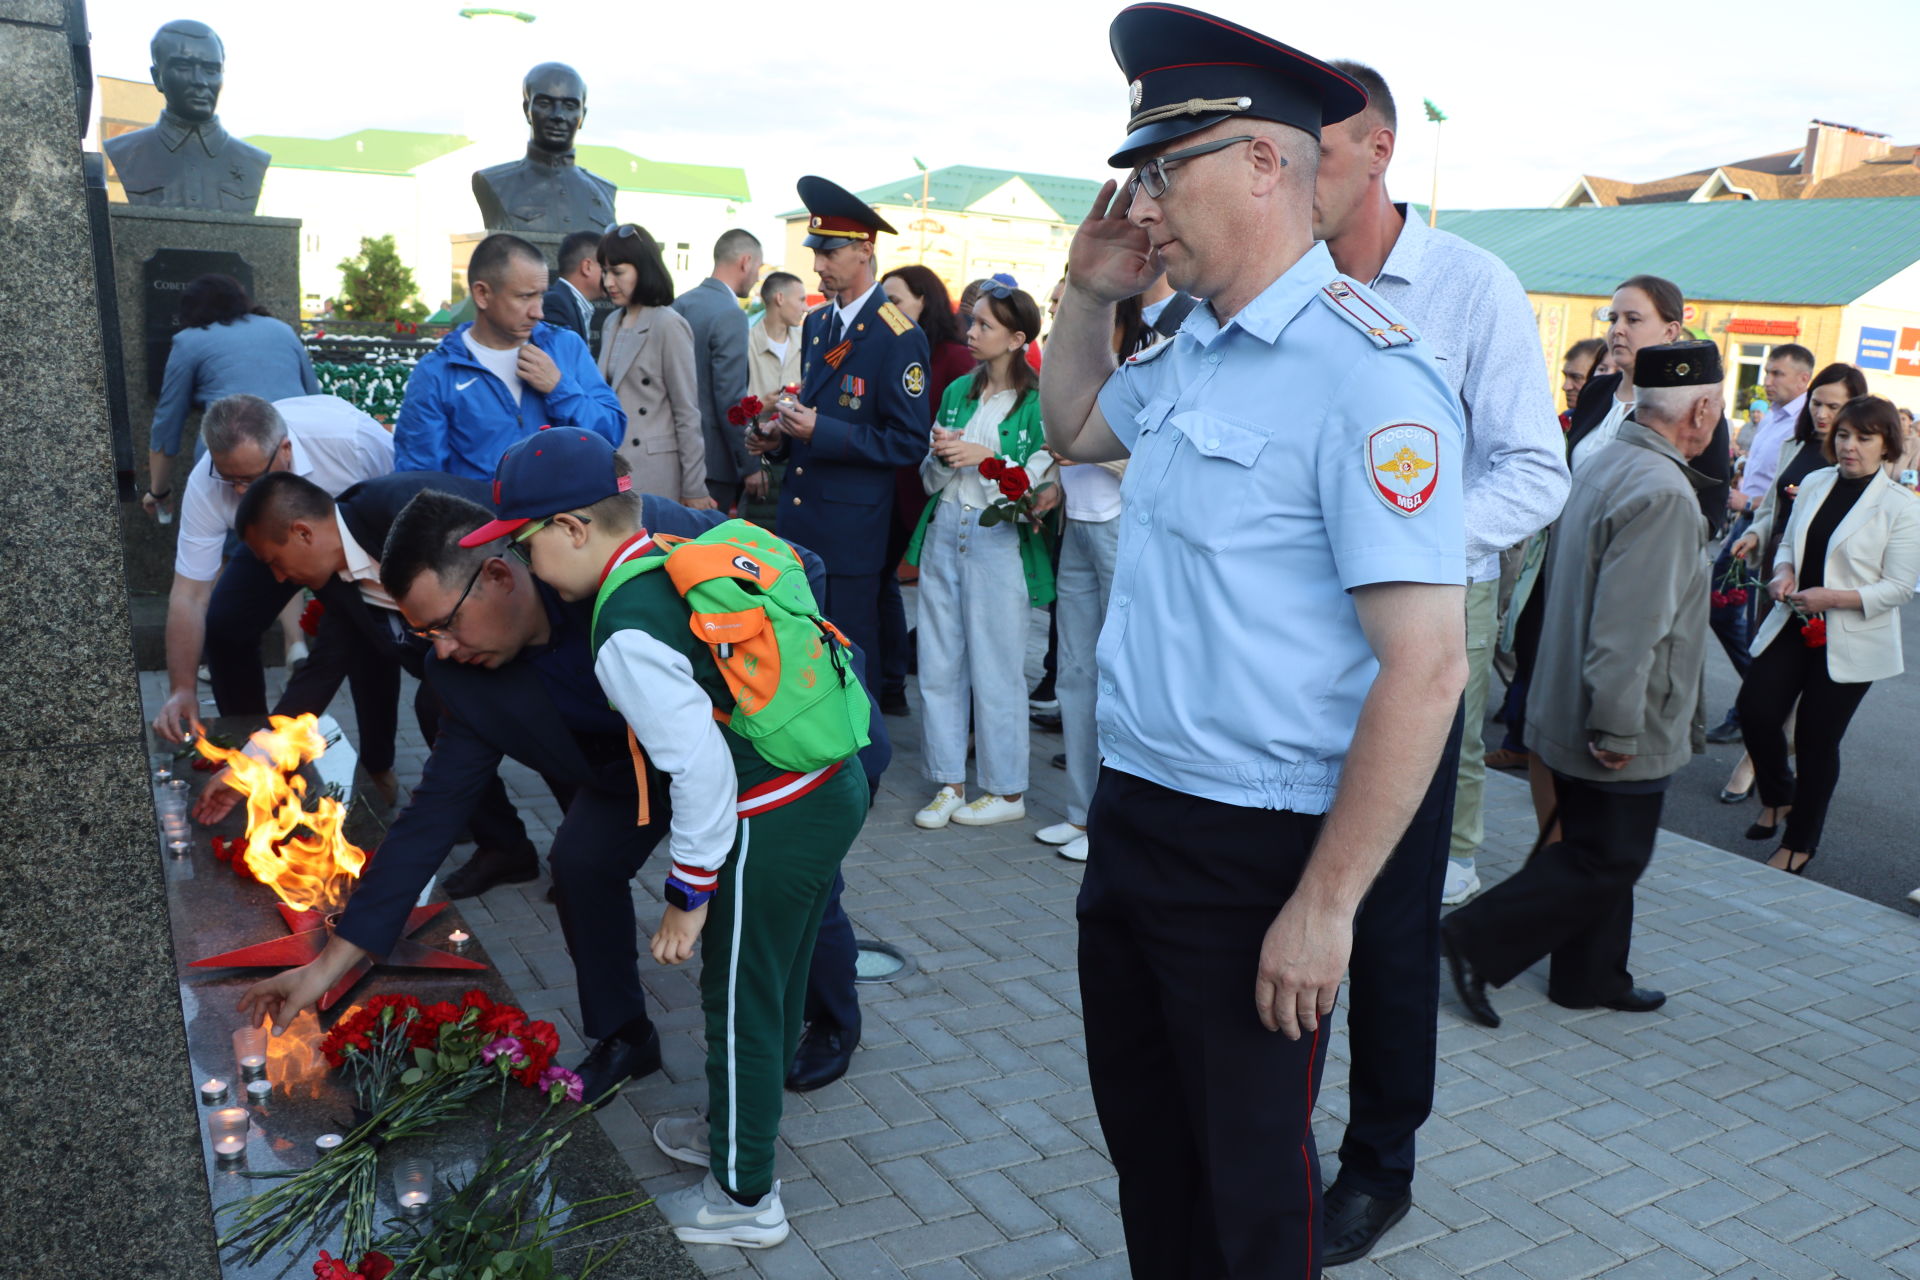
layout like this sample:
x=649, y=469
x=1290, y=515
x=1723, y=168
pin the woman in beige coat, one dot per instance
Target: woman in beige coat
x=646, y=356
x=1847, y=563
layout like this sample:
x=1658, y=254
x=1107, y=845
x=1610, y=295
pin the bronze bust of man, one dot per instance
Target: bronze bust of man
x=186, y=160
x=546, y=190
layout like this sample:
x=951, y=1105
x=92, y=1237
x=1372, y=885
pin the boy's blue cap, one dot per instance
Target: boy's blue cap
x=553, y=470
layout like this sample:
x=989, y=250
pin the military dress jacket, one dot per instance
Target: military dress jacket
x=176, y=164
x=871, y=391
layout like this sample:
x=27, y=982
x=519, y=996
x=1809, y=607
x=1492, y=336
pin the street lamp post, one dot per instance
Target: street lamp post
x=1438, y=117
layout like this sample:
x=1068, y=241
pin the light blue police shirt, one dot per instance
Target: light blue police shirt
x=1308, y=447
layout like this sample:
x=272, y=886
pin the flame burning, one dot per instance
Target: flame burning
x=301, y=853
x=294, y=1060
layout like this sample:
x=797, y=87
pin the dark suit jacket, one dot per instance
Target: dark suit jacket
x=561, y=306
x=1596, y=400
x=506, y=711
x=720, y=362
x=351, y=630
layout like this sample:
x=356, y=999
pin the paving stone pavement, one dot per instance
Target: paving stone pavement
x=1763, y=1124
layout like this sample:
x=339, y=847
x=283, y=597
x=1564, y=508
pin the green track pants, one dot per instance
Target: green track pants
x=755, y=950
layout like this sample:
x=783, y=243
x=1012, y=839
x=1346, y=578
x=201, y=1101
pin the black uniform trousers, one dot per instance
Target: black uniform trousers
x=1573, y=900
x=1393, y=995
x=1207, y=1114
x=245, y=601
x=853, y=605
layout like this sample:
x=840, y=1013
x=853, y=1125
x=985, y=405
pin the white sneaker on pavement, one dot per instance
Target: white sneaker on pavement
x=1059, y=833
x=987, y=810
x=705, y=1214
x=1462, y=883
x=685, y=1139
x=939, y=809
x=1074, y=850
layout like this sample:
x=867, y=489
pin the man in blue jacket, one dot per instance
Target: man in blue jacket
x=501, y=377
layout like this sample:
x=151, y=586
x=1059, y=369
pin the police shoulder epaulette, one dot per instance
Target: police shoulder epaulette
x=1153, y=352
x=895, y=318
x=1361, y=308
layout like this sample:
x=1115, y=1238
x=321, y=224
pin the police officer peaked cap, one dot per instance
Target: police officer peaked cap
x=1678, y=364
x=837, y=216
x=1186, y=70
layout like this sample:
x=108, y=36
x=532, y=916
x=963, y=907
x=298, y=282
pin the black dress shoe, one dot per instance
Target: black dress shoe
x=1632, y=1000
x=893, y=702
x=1468, y=985
x=489, y=867
x=1727, y=731
x=1354, y=1222
x=615, y=1059
x=822, y=1058
x=1045, y=721
x=1060, y=760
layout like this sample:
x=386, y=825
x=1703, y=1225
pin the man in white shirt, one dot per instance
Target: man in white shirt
x=223, y=612
x=1473, y=316
x=773, y=353
x=1788, y=370
x=569, y=299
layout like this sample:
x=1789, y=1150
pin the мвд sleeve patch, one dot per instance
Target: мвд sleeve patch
x=914, y=379
x=1403, y=465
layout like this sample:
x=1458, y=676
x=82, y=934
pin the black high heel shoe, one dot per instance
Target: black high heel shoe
x=1801, y=869
x=1765, y=831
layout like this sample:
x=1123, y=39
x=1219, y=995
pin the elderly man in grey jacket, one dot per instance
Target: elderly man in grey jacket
x=1614, y=705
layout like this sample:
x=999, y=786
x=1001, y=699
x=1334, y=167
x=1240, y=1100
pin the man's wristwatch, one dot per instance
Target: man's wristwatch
x=684, y=896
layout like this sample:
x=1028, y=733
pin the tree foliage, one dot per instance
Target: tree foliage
x=376, y=285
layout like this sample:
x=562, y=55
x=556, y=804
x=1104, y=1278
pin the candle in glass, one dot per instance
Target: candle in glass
x=227, y=1128
x=413, y=1185
x=250, y=1051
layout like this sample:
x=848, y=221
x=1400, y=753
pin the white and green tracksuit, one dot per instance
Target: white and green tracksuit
x=767, y=841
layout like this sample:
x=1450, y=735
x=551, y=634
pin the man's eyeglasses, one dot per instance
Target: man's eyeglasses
x=439, y=630
x=1152, y=176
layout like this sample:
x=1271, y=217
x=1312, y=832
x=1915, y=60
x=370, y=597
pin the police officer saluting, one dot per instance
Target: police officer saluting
x=862, y=412
x=1283, y=654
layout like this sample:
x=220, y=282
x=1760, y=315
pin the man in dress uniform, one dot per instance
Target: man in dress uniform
x=185, y=160
x=545, y=190
x=1614, y=706
x=862, y=412
x=1283, y=655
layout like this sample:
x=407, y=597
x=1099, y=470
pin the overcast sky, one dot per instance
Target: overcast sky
x=1535, y=92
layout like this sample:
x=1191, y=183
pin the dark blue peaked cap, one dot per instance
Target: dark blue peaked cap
x=1188, y=70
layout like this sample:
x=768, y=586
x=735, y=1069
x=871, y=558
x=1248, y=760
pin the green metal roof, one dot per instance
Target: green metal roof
x=395, y=151
x=630, y=172
x=368, y=151
x=957, y=187
x=1810, y=252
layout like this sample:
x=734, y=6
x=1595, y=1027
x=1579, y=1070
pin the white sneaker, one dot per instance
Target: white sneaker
x=1462, y=883
x=939, y=809
x=1914, y=896
x=1074, y=850
x=705, y=1214
x=1059, y=833
x=685, y=1139
x=296, y=654
x=987, y=810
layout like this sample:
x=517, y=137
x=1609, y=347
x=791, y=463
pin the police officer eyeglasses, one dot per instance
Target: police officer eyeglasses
x=438, y=630
x=1152, y=176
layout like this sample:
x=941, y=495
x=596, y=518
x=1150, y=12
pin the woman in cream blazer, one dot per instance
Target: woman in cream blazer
x=646, y=356
x=1847, y=562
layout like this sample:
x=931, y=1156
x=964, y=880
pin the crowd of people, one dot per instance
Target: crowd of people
x=1276, y=624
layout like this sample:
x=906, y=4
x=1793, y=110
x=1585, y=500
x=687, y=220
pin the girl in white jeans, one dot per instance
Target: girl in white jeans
x=977, y=582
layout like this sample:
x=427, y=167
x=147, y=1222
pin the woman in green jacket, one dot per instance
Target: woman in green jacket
x=978, y=580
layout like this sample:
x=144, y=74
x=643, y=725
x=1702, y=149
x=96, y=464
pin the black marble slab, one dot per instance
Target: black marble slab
x=212, y=911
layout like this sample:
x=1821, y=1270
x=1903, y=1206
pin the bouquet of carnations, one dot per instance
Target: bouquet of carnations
x=1017, y=492
x=413, y=1066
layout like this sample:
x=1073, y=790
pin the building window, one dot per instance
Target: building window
x=682, y=257
x=1749, y=374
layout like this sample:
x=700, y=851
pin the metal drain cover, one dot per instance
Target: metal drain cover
x=879, y=961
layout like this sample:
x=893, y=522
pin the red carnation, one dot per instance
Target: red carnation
x=310, y=617
x=1814, y=632
x=1014, y=483
x=737, y=416
x=1717, y=599
x=1737, y=596
x=752, y=406
x=993, y=468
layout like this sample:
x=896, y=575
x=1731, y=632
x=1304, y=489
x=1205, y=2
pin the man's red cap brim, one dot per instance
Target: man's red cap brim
x=492, y=529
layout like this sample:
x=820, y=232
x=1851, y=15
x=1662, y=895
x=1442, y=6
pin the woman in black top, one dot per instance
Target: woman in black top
x=1846, y=564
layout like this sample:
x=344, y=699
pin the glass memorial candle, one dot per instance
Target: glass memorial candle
x=413, y=1185
x=227, y=1129
x=250, y=1051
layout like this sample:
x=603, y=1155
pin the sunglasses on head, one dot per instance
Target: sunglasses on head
x=994, y=289
x=625, y=230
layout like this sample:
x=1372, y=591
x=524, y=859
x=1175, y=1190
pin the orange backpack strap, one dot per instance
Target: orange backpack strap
x=645, y=815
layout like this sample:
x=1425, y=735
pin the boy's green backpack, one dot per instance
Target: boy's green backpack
x=796, y=697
